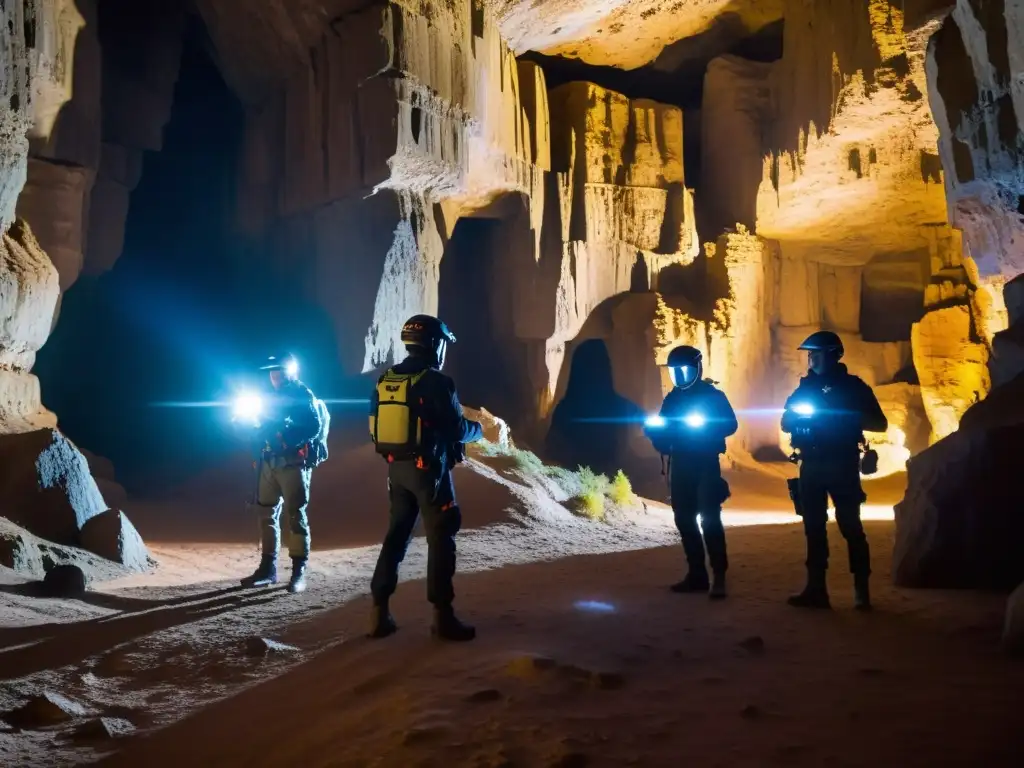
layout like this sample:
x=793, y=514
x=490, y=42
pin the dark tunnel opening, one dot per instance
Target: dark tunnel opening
x=163, y=324
x=484, y=257
x=592, y=424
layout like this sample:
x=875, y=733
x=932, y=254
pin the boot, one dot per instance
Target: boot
x=717, y=591
x=297, y=583
x=695, y=581
x=264, y=575
x=448, y=627
x=815, y=594
x=861, y=593
x=382, y=623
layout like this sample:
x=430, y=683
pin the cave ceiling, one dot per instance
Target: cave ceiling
x=258, y=42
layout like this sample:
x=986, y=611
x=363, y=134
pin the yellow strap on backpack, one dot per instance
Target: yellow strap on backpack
x=396, y=427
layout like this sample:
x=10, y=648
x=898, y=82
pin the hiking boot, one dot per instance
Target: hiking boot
x=861, y=593
x=717, y=591
x=297, y=583
x=382, y=623
x=448, y=627
x=694, y=582
x=815, y=594
x=265, y=575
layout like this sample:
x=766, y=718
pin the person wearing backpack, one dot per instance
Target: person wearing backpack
x=417, y=425
x=291, y=434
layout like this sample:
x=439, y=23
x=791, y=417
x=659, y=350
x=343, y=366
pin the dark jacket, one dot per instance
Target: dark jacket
x=676, y=438
x=291, y=421
x=844, y=408
x=445, y=426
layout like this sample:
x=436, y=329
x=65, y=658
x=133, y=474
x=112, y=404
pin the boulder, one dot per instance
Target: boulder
x=495, y=430
x=960, y=523
x=19, y=551
x=65, y=581
x=1013, y=627
x=46, y=486
x=111, y=535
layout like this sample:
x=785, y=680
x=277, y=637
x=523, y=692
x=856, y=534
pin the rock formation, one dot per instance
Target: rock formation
x=399, y=153
x=45, y=483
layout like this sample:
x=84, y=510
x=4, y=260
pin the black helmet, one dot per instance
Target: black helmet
x=285, y=362
x=823, y=341
x=685, y=365
x=425, y=334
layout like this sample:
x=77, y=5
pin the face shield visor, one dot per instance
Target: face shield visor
x=683, y=375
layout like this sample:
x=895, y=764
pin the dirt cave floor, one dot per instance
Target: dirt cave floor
x=584, y=658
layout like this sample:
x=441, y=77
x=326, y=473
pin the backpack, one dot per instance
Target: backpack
x=395, y=425
x=318, y=445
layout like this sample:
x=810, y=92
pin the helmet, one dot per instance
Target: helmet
x=285, y=362
x=823, y=341
x=685, y=365
x=428, y=334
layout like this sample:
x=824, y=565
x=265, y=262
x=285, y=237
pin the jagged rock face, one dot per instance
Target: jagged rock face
x=28, y=295
x=629, y=35
x=37, y=43
x=959, y=524
x=974, y=61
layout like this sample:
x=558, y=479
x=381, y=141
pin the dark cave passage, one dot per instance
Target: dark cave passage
x=164, y=325
x=592, y=424
x=486, y=255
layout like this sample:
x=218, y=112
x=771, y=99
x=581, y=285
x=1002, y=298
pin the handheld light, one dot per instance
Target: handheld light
x=694, y=420
x=655, y=421
x=803, y=409
x=248, y=406
x=292, y=368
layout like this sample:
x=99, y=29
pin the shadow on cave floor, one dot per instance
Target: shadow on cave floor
x=592, y=424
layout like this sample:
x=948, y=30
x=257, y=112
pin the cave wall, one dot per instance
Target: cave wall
x=853, y=185
x=36, y=37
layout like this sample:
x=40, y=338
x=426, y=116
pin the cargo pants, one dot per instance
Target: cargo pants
x=284, y=488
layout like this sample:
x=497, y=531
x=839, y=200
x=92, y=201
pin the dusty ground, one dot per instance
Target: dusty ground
x=583, y=659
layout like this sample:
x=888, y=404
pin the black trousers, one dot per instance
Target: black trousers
x=414, y=492
x=698, y=490
x=840, y=479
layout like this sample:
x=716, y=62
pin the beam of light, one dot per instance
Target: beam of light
x=803, y=409
x=594, y=606
x=742, y=518
x=760, y=411
x=230, y=403
x=655, y=421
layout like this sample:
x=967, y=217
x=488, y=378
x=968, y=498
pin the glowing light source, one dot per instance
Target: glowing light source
x=695, y=420
x=291, y=368
x=248, y=406
x=655, y=421
x=803, y=409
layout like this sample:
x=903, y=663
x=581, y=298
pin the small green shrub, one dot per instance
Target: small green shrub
x=621, y=491
x=591, y=505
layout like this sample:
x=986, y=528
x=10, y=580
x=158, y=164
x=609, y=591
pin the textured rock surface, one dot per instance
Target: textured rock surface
x=28, y=296
x=847, y=172
x=37, y=40
x=959, y=524
x=631, y=34
x=951, y=365
x=46, y=485
x=974, y=64
x=110, y=534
